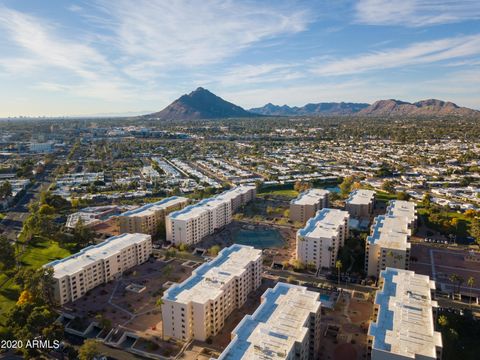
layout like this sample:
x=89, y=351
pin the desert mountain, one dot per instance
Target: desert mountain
x=327, y=108
x=200, y=104
x=430, y=107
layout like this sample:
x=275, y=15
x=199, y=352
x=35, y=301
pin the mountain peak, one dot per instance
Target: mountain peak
x=429, y=107
x=200, y=104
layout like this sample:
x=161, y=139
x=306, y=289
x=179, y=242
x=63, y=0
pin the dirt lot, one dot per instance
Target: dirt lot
x=351, y=316
x=133, y=311
x=440, y=262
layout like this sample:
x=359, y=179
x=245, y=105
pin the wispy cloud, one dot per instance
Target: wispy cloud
x=416, y=13
x=191, y=33
x=414, y=54
x=43, y=47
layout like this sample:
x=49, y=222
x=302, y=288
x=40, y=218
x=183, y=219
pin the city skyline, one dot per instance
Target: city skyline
x=68, y=58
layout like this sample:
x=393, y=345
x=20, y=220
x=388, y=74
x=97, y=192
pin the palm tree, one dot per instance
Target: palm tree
x=470, y=282
x=338, y=266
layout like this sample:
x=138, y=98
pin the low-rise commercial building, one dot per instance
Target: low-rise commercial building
x=194, y=222
x=98, y=264
x=147, y=218
x=306, y=205
x=360, y=203
x=404, y=318
x=286, y=325
x=318, y=242
x=197, y=308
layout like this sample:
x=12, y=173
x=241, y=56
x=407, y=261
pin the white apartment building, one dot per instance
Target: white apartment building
x=318, y=242
x=239, y=195
x=306, y=205
x=360, y=203
x=194, y=222
x=407, y=209
x=98, y=264
x=197, y=308
x=148, y=217
x=389, y=242
x=404, y=318
x=286, y=325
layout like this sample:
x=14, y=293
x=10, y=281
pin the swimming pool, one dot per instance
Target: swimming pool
x=260, y=239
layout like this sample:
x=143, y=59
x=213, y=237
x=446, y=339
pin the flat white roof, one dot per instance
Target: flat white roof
x=91, y=254
x=361, y=197
x=405, y=324
x=325, y=224
x=390, y=232
x=210, y=203
x=149, y=209
x=207, y=281
x=310, y=197
x=403, y=209
x=272, y=330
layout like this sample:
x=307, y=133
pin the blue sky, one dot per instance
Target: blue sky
x=94, y=57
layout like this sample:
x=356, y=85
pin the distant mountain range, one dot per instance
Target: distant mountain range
x=202, y=104
x=327, y=108
x=430, y=107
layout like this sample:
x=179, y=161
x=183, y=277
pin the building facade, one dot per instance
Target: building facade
x=404, y=318
x=306, y=205
x=194, y=222
x=197, y=308
x=318, y=242
x=98, y=264
x=360, y=203
x=389, y=242
x=147, y=218
x=286, y=325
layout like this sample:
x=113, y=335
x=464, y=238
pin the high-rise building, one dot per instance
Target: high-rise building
x=404, y=318
x=389, y=242
x=360, y=203
x=197, y=308
x=318, y=242
x=306, y=205
x=286, y=325
x=98, y=264
x=147, y=218
x=194, y=222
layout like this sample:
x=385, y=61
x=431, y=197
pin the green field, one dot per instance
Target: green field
x=384, y=196
x=283, y=192
x=34, y=257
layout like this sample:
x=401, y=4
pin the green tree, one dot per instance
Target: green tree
x=346, y=185
x=5, y=189
x=214, y=250
x=470, y=283
x=442, y=320
x=388, y=186
x=338, y=266
x=82, y=235
x=7, y=254
x=88, y=350
x=475, y=230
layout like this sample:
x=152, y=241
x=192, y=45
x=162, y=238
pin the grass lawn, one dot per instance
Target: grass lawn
x=42, y=253
x=384, y=196
x=284, y=192
x=34, y=257
x=463, y=221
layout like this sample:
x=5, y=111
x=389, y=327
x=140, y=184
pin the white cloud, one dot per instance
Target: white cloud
x=416, y=13
x=192, y=33
x=46, y=48
x=415, y=54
